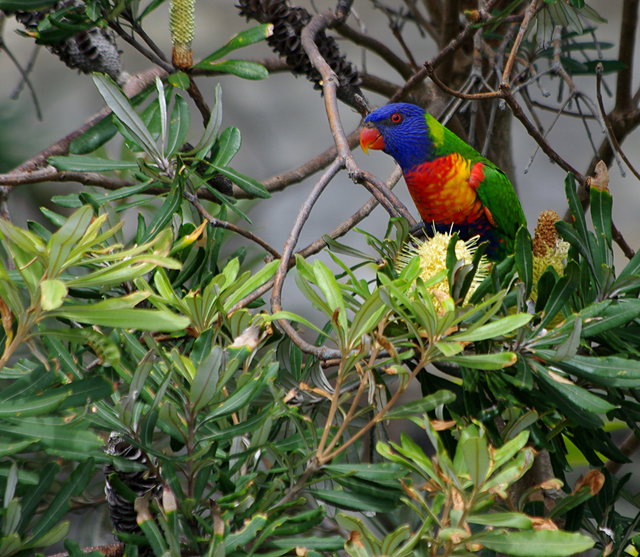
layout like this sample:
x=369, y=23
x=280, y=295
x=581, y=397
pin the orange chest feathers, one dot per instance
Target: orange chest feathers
x=444, y=190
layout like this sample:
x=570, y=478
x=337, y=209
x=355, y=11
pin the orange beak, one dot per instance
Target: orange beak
x=371, y=138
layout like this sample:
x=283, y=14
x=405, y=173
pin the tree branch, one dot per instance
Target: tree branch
x=628, y=28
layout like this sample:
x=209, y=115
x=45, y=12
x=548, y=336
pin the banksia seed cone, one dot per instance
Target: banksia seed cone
x=182, y=25
x=549, y=250
x=90, y=50
x=288, y=24
x=142, y=482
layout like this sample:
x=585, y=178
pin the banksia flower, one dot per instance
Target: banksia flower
x=144, y=483
x=432, y=254
x=288, y=23
x=90, y=50
x=182, y=25
x=549, y=250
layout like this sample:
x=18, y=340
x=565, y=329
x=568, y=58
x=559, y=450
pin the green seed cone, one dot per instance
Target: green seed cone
x=182, y=25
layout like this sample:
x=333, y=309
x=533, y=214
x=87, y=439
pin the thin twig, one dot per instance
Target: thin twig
x=218, y=223
x=453, y=45
x=276, y=296
x=524, y=25
x=198, y=99
x=146, y=52
x=380, y=414
x=52, y=174
x=376, y=47
x=603, y=114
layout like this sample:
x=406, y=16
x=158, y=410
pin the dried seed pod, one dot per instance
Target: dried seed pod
x=288, y=23
x=90, y=50
x=141, y=482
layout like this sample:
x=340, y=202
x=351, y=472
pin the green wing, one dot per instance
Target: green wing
x=497, y=195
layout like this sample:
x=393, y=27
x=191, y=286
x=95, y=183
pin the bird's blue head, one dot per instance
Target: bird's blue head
x=400, y=130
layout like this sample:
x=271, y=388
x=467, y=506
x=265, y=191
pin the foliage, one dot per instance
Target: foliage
x=249, y=439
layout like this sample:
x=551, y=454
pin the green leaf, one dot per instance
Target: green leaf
x=320, y=543
x=507, y=451
x=494, y=329
x=205, y=383
x=84, y=163
x=152, y=533
x=10, y=448
x=354, y=501
x=571, y=501
x=125, y=112
x=245, y=69
x=388, y=490
x=497, y=360
x=476, y=457
x=501, y=520
x=570, y=346
x=524, y=258
x=213, y=126
x=66, y=238
x=290, y=316
x=52, y=294
x=421, y=406
x=73, y=486
x=379, y=472
x=608, y=371
x=242, y=39
x=28, y=5
x=367, y=317
x=32, y=406
x=530, y=543
x=111, y=313
x=604, y=316
x=164, y=215
x=244, y=394
x=178, y=126
x=330, y=288
x=55, y=433
x=560, y=294
x=601, y=204
x=180, y=80
x=96, y=136
x=247, y=533
x=245, y=183
x=246, y=287
x=228, y=145
x=34, y=496
x=53, y=536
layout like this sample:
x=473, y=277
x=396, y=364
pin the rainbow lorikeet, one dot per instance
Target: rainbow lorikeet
x=453, y=186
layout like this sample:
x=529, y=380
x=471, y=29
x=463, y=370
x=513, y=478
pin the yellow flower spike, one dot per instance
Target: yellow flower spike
x=182, y=26
x=432, y=254
x=549, y=250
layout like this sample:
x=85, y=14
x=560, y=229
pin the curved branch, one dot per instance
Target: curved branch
x=193, y=199
x=321, y=352
x=442, y=55
x=376, y=47
x=330, y=87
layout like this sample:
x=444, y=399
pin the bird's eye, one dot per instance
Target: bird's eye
x=396, y=117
